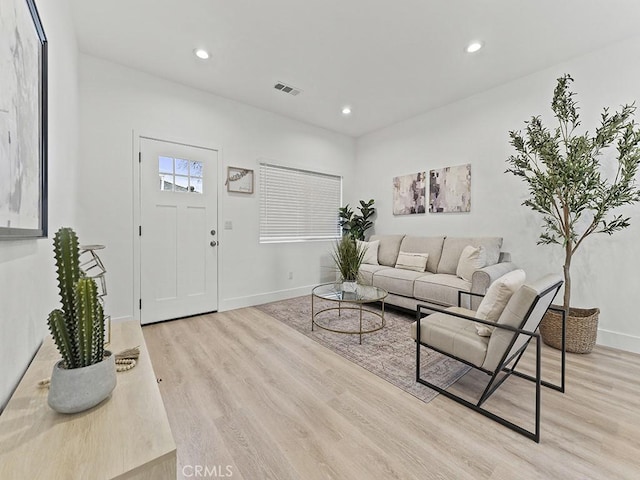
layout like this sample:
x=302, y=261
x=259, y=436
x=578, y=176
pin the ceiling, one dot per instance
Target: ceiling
x=388, y=59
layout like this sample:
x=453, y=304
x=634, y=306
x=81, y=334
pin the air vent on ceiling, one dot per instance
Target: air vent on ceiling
x=283, y=87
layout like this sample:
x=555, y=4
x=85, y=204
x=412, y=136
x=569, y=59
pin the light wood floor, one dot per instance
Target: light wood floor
x=250, y=397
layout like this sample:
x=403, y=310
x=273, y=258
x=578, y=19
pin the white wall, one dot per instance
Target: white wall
x=475, y=130
x=116, y=100
x=27, y=274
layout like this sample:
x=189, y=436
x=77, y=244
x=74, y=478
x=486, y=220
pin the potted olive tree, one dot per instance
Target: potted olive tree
x=86, y=375
x=569, y=188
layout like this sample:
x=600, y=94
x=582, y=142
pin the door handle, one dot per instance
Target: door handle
x=213, y=243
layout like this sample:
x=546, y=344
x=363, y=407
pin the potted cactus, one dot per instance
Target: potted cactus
x=86, y=375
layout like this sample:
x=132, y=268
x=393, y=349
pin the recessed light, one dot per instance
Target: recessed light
x=201, y=53
x=473, y=47
x=346, y=110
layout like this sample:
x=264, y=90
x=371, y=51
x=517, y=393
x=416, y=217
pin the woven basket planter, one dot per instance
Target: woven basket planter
x=582, y=329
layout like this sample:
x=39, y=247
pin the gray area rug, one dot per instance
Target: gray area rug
x=388, y=353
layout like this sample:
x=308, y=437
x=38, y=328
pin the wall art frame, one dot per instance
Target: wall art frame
x=450, y=189
x=23, y=121
x=409, y=194
x=239, y=180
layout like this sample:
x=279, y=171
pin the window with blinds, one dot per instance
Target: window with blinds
x=298, y=205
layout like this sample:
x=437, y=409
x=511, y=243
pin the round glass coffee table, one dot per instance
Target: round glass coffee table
x=347, y=298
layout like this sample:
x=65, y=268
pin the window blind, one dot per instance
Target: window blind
x=298, y=205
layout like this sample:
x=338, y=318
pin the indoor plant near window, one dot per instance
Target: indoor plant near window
x=86, y=375
x=348, y=255
x=355, y=225
x=568, y=186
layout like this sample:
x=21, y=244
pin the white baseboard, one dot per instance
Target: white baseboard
x=621, y=341
x=120, y=319
x=251, y=300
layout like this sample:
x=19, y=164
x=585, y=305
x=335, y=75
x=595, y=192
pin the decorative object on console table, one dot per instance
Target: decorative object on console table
x=348, y=256
x=568, y=186
x=94, y=268
x=450, y=189
x=409, y=193
x=239, y=180
x=23, y=122
x=356, y=225
x=86, y=375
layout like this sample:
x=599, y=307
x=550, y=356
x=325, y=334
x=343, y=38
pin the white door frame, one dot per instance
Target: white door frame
x=136, y=240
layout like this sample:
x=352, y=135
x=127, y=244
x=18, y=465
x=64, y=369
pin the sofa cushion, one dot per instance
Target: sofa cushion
x=367, y=271
x=388, y=249
x=395, y=280
x=370, y=251
x=439, y=288
x=496, y=299
x=471, y=259
x=452, y=334
x=453, y=246
x=430, y=245
x=412, y=261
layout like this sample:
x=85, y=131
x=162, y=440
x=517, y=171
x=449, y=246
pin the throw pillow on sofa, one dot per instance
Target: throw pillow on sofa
x=471, y=259
x=370, y=251
x=496, y=299
x=412, y=261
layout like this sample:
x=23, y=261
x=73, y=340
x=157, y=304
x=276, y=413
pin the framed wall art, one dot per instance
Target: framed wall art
x=23, y=121
x=239, y=180
x=450, y=189
x=409, y=194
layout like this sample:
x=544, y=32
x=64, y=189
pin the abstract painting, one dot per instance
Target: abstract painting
x=450, y=189
x=409, y=194
x=23, y=121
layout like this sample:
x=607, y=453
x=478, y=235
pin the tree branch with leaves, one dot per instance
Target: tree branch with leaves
x=565, y=178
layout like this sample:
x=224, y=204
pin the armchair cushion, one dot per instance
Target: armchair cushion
x=482, y=279
x=496, y=299
x=454, y=335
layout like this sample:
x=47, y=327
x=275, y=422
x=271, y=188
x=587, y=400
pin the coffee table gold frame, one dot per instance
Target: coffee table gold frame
x=348, y=300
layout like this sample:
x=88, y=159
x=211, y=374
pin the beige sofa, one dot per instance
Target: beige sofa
x=439, y=284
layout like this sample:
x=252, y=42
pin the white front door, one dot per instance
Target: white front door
x=178, y=230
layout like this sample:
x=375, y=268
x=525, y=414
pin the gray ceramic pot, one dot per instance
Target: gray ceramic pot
x=78, y=389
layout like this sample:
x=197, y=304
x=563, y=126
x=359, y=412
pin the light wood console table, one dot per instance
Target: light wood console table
x=125, y=437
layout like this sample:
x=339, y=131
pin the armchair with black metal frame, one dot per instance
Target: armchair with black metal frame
x=451, y=332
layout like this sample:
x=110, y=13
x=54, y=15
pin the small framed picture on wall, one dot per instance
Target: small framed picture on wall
x=239, y=180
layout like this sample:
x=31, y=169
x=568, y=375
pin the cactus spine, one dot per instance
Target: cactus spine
x=77, y=328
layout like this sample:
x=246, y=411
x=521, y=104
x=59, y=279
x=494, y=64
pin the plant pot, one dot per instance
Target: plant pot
x=582, y=329
x=74, y=390
x=349, y=286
